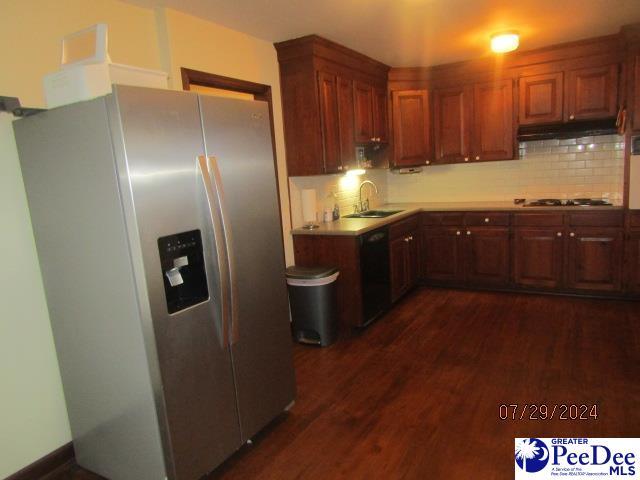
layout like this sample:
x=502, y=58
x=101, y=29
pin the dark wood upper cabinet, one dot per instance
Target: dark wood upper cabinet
x=380, y=116
x=541, y=98
x=452, y=124
x=486, y=255
x=636, y=94
x=594, y=259
x=327, y=103
x=591, y=93
x=346, y=123
x=441, y=254
x=493, y=128
x=538, y=255
x=363, y=102
x=330, y=121
x=411, y=128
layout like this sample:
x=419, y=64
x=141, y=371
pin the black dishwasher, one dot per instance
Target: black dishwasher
x=374, y=268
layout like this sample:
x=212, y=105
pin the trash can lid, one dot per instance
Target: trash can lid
x=310, y=273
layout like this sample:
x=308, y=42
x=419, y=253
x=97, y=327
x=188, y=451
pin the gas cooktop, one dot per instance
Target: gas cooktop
x=571, y=202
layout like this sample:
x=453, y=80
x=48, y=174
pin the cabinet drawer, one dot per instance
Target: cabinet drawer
x=403, y=227
x=444, y=219
x=487, y=219
x=634, y=218
x=596, y=219
x=538, y=219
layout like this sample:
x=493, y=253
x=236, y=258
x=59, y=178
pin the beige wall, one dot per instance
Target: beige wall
x=33, y=419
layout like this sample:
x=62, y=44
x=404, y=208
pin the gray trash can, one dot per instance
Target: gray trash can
x=312, y=297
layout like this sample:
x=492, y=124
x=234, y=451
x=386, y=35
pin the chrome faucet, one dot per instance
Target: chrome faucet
x=364, y=206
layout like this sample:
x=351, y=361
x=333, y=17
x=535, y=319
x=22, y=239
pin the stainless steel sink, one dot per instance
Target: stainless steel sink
x=373, y=214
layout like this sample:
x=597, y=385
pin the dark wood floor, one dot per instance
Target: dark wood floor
x=417, y=395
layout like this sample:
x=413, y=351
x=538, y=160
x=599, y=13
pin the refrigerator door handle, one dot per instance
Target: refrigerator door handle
x=221, y=251
x=231, y=266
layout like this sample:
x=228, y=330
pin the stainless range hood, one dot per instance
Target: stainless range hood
x=586, y=128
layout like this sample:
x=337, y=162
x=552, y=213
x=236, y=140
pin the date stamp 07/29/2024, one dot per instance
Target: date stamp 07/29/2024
x=543, y=411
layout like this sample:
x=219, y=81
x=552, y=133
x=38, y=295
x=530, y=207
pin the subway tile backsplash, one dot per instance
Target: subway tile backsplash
x=571, y=168
x=340, y=189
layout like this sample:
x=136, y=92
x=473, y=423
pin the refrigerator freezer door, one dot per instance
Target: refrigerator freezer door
x=164, y=187
x=238, y=142
x=83, y=247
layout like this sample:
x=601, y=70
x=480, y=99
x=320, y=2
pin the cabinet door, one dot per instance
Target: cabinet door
x=411, y=129
x=398, y=266
x=363, y=108
x=441, y=254
x=413, y=258
x=632, y=264
x=493, y=121
x=592, y=93
x=328, y=95
x=537, y=257
x=380, y=117
x=452, y=119
x=486, y=256
x=594, y=259
x=346, y=122
x=540, y=98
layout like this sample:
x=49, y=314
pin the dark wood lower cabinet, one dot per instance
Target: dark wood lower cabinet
x=486, y=256
x=341, y=252
x=632, y=263
x=403, y=261
x=594, y=259
x=538, y=257
x=441, y=254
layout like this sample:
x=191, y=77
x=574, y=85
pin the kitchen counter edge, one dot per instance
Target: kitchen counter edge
x=358, y=226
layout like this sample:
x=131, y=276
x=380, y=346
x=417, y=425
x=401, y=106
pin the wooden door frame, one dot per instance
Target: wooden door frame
x=260, y=92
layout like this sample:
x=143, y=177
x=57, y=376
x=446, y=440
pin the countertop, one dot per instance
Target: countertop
x=358, y=226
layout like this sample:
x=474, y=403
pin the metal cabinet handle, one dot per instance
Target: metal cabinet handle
x=486, y=220
x=468, y=232
x=458, y=232
x=559, y=234
x=572, y=234
x=411, y=237
x=234, y=319
x=339, y=167
x=406, y=239
x=477, y=157
x=427, y=162
x=572, y=117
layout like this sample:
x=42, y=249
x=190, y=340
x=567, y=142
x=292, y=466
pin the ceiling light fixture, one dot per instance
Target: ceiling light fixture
x=504, y=42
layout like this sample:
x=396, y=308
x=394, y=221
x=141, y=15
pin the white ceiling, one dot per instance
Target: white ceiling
x=415, y=32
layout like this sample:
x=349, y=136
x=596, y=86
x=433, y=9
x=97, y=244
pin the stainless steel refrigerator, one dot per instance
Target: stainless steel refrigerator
x=156, y=219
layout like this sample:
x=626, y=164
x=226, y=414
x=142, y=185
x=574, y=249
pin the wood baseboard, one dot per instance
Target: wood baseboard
x=54, y=463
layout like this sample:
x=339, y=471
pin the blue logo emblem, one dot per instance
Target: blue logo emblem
x=532, y=455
